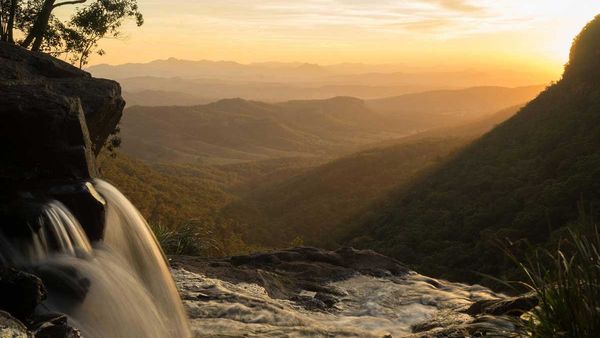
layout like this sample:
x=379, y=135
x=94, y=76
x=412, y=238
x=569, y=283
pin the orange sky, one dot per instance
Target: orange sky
x=508, y=34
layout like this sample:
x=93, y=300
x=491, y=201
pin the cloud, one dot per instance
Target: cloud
x=342, y=19
x=460, y=6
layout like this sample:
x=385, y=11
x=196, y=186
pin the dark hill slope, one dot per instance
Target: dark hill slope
x=525, y=179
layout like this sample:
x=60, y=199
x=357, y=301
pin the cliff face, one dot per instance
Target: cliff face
x=55, y=117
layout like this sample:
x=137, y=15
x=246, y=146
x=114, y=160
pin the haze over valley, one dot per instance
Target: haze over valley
x=182, y=82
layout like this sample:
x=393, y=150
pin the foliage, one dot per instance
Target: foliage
x=567, y=283
x=90, y=24
x=162, y=198
x=113, y=142
x=75, y=38
x=183, y=204
x=191, y=238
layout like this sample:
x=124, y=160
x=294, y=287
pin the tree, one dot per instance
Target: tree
x=8, y=10
x=77, y=37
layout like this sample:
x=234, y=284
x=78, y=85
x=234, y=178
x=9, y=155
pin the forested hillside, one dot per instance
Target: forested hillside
x=272, y=203
x=526, y=179
x=187, y=199
x=313, y=207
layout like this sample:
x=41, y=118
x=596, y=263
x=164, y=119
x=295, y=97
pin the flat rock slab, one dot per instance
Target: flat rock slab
x=285, y=274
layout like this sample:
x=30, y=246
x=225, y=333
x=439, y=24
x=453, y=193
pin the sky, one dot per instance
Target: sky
x=509, y=34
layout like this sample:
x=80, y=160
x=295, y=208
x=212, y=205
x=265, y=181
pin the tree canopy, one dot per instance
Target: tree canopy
x=33, y=24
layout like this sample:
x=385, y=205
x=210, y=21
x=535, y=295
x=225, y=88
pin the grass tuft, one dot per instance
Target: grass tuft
x=567, y=283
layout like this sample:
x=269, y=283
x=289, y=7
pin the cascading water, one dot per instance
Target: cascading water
x=118, y=287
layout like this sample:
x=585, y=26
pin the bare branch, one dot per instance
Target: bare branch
x=73, y=2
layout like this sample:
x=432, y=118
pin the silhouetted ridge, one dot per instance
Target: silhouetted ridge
x=585, y=53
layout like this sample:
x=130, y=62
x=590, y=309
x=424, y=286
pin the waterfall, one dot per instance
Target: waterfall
x=119, y=287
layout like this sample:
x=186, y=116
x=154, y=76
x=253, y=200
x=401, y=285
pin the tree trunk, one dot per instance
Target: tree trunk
x=11, y=21
x=2, y=35
x=36, y=35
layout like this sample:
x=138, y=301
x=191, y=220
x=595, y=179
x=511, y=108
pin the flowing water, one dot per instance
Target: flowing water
x=120, y=287
x=370, y=307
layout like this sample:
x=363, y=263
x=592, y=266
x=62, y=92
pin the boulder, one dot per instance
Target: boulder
x=58, y=331
x=20, y=292
x=44, y=136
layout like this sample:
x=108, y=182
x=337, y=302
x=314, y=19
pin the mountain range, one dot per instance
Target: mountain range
x=163, y=82
x=234, y=130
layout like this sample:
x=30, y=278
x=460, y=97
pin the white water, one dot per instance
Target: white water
x=118, y=288
x=372, y=307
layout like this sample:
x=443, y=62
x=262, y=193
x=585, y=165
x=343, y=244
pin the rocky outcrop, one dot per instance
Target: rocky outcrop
x=100, y=99
x=286, y=273
x=345, y=293
x=55, y=117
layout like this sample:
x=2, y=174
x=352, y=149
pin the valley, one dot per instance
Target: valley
x=258, y=175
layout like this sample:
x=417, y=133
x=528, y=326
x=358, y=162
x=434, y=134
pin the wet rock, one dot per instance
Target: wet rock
x=310, y=303
x=86, y=204
x=64, y=281
x=19, y=219
x=38, y=321
x=20, y=292
x=285, y=274
x=53, y=325
x=327, y=299
x=10, y=327
x=515, y=306
x=58, y=331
